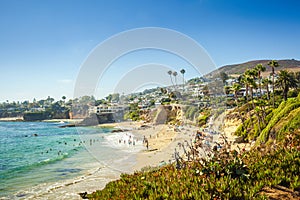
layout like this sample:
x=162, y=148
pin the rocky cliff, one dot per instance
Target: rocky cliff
x=169, y=114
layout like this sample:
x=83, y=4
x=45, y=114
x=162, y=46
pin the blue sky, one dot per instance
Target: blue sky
x=44, y=43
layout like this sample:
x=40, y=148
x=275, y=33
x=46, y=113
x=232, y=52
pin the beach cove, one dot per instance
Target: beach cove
x=60, y=164
x=87, y=170
x=163, y=139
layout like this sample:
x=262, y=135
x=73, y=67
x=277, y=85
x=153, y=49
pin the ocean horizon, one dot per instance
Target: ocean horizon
x=39, y=157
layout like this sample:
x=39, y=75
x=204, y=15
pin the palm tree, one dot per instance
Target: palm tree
x=63, y=101
x=297, y=77
x=170, y=74
x=260, y=68
x=243, y=80
x=205, y=91
x=286, y=80
x=175, y=75
x=247, y=80
x=250, y=76
x=273, y=64
x=254, y=75
x=253, y=85
x=266, y=82
x=182, y=71
x=236, y=88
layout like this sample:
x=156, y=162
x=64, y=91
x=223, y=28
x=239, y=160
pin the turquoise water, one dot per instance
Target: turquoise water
x=33, y=154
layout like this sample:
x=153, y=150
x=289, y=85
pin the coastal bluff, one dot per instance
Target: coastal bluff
x=38, y=116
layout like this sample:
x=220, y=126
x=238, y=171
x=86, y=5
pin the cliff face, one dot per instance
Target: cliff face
x=36, y=116
x=161, y=115
x=168, y=114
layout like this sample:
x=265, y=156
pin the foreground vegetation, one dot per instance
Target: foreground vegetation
x=227, y=175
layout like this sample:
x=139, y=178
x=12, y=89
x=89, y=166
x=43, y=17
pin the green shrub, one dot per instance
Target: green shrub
x=283, y=110
x=292, y=123
x=292, y=93
x=191, y=112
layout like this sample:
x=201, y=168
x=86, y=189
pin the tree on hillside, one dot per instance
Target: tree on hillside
x=253, y=85
x=286, y=80
x=205, y=91
x=266, y=82
x=87, y=100
x=50, y=100
x=182, y=71
x=109, y=98
x=163, y=90
x=260, y=68
x=253, y=73
x=64, y=99
x=172, y=95
x=247, y=80
x=41, y=103
x=223, y=77
x=175, y=77
x=227, y=89
x=273, y=64
x=297, y=77
x=236, y=88
x=170, y=74
x=99, y=102
x=115, y=97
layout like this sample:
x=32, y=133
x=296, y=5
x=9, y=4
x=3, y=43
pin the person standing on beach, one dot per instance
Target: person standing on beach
x=147, y=144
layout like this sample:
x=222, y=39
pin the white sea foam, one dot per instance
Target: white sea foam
x=95, y=178
x=124, y=141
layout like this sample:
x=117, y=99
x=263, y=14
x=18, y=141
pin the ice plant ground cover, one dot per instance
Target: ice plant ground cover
x=226, y=175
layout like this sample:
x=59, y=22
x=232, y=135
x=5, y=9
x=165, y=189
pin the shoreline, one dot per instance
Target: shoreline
x=21, y=119
x=162, y=140
x=62, y=120
x=11, y=119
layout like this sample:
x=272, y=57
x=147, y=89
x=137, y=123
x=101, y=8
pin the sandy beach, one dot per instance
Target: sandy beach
x=11, y=119
x=162, y=140
x=63, y=120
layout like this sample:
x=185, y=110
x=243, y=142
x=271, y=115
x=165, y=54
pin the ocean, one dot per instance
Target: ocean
x=39, y=158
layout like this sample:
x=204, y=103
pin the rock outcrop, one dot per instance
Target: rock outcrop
x=168, y=114
x=161, y=115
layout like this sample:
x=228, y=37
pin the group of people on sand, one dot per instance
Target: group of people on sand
x=129, y=141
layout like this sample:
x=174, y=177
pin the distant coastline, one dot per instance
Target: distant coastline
x=11, y=119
